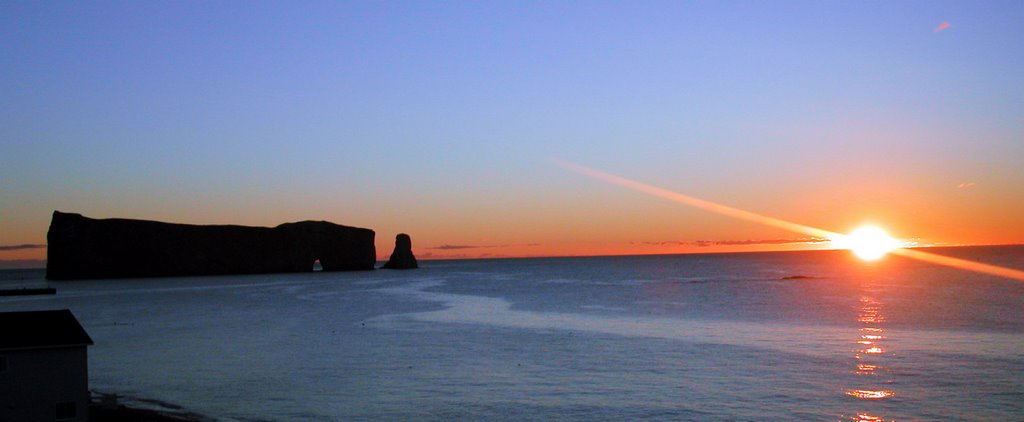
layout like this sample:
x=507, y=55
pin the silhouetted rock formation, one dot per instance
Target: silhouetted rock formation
x=81, y=247
x=402, y=258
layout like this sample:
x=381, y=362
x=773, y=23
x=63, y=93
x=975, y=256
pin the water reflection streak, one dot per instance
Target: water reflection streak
x=869, y=355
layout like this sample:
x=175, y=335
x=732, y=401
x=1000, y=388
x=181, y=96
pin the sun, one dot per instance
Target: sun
x=867, y=242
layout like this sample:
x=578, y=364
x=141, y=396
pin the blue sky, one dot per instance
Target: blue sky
x=438, y=118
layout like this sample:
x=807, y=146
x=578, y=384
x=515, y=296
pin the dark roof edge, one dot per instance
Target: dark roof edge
x=43, y=329
x=56, y=346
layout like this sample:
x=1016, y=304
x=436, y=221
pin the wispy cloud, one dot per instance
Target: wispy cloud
x=453, y=247
x=942, y=26
x=20, y=247
x=664, y=243
x=706, y=243
x=965, y=185
x=807, y=240
x=457, y=247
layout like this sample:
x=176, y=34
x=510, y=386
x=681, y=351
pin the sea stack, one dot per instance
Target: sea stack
x=402, y=258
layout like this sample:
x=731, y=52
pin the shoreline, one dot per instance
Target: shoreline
x=108, y=407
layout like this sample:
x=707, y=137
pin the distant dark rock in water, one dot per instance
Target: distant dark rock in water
x=402, y=258
x=81, y=247
x=797, y=277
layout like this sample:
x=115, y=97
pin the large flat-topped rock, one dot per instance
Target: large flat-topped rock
x=81, y=247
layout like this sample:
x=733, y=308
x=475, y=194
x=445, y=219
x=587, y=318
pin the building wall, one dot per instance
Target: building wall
x=37, y=379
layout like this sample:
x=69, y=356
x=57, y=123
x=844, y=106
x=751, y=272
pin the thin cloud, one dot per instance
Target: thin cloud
x=748, y=242
x=942, y=26
x=664, y=243
x=20, y=247
x=457, y=247
x=431, y=255
x=769, y=241
x=453, y=247
x=965, y=185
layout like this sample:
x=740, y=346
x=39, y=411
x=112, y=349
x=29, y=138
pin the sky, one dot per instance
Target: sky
x=447, y=120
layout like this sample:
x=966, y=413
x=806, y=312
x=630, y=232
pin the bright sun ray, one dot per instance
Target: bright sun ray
x=868, y=242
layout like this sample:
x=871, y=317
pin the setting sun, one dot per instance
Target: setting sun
x=868, y=242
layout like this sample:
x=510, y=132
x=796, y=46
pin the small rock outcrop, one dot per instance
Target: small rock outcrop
x=402, y=258
x=81, y=247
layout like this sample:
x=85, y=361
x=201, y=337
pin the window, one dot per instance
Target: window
x=67, y=410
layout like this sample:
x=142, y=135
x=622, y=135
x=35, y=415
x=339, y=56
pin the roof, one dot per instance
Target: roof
x=41, y=329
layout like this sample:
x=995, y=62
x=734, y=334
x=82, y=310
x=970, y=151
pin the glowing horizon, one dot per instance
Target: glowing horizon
x=783, y=224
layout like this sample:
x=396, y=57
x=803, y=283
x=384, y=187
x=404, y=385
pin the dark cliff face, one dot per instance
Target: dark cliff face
x=402, y=258
x=82, y=247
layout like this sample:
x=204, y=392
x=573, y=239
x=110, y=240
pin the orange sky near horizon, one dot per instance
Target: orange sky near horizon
x=594, y=218
x=438, y=121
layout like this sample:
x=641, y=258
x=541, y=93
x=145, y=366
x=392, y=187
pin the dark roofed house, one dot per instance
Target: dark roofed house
x=44, y=372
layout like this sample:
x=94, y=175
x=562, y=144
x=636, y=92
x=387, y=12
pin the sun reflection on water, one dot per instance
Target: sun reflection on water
x=869, y=356
x=874, y=351
x=864, y=417
x=870, y=394
x=870, y=313
x=866, y=369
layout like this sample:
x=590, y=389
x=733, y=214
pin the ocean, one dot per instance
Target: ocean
x=755, y=336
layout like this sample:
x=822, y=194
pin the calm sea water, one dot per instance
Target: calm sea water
x=686, y=337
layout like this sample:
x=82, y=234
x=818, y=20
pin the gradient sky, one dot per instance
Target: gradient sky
x=440, y=119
